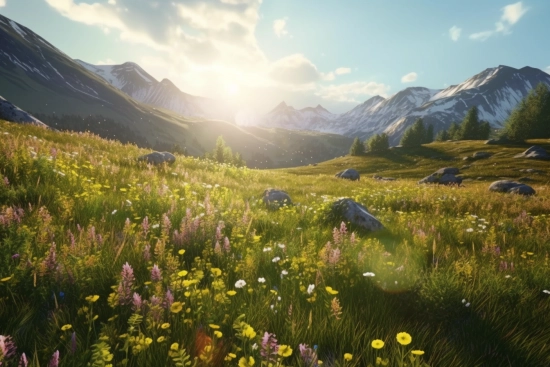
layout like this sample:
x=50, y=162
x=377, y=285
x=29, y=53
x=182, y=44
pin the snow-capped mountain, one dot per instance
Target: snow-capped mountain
x=138, y=84
x=495, y=91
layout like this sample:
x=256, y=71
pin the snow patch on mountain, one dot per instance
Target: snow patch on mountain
x=10, y=112
x=18, y=29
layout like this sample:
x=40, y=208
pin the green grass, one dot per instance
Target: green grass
x=443, y=265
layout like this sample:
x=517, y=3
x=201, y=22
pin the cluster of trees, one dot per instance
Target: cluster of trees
x=471, y=128
x=531, y=117
x=417, y=134
x=223, y=154
x=376, y=143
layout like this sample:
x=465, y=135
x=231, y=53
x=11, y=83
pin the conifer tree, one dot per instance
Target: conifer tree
x=429, y=134
x=469, y=128
x=442, y=135
x=414, y=135
x=453, y=131
x=378, y=143
x=357, y=148
x=531, y=117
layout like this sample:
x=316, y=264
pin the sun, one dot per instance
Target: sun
x=232, y=89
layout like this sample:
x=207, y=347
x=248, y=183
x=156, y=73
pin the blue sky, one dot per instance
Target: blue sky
x=257, y=53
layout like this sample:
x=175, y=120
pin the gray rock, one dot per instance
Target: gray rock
x=443, y=176
x=534, y=152
x=356, y=214
x=481, y=155
x=275, y=199
x=348, y=174
x=451, y=170
x=531, y=170
x=157, y=158
x=433, y=178
x=380, y=178
x=511, y=187
x=449, y=179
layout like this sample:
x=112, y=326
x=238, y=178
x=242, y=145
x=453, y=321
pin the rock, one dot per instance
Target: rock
x=448, y=179
x=481, y=155
x=157, y=158
x=356, y=214
x=531, y=170
x=534, y=152
x=511, y=187
x=348, y=174
x=451, y=170
x=498, y=141
x=466, y=166
x=525, y=179
x=275, y=199
x=380, y=178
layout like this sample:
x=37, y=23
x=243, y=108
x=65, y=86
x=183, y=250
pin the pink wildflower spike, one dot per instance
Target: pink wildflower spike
x=226, y=245
x=156, y=275
x=23, y=362
x=7, y=347
x=54, y=362
x=137, y=302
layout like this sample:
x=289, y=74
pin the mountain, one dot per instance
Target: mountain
x=141, y=86
x=41, y=79
x=495, y=91
x=12, y=113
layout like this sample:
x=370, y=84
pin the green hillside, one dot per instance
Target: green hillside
x=108, y=262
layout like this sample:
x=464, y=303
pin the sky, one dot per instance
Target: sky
x=254, y=54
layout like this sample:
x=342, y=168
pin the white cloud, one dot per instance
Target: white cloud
x=409, y=78
x=511, y=14
x=294, y=69
x=111, y=2
x=2, y=3
x=342, y=71
x=352, y=92
x=454, y=33
x=279, y=27
x=547, y=70
x=108, y=61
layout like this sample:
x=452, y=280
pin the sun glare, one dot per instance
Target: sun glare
x=232, y=89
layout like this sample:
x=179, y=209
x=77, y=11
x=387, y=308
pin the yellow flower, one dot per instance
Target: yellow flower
x=244, y=363
x=249, y=332
x=331, y=291
x=319, y=362
x=218, y=334
x=417, y=352
x=175, y=346
x=92, y=299
x=181, y=252
x=284, y=351
x=404, y=338
x=214, y=326
x=165, y=325
x=216, y=271
x=377, y=344
x=230, y=356
x=348, y=357
x=176, y=307
x=160, y=339
x=231, y=293
x=148, y=341
x=5, y=279
x=66, y=327
x=182, y=273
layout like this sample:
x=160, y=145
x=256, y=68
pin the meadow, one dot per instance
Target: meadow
x=105, y=261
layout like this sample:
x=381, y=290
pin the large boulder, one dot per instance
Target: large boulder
x=534, y=152
x=275, y=199
x=512, y=187
x=443, y=176
x=348, y=174
x=451, y=170
x=355, y=213
x=157, y=158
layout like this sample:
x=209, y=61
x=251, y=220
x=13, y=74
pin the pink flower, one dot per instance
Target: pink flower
x=156, y=275
x=54, y=362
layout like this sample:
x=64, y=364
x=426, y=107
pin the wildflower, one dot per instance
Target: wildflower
x=214, y=326
x=93, y=298
x=308, y=355
x=417, y=352
x=113, y=212
x=156, y=275
x=182, y=273
x=54, y=362
x=269, y=347
x=284, y=272
x=467, y=304
x=136, y=302
x=276, y=259
x=218, y=334
x=331, y=291
x=377, y=344
x=546, y=291
x=23, y=362
x=249, y=332
x=243, y=362
x=231, y=293
x=175, y=346
x=261, y=280
x=470, y=230
x=168, y=299
x=281, y=245
x=166, y=325
x=176, y=307
x=50, y=261
x=284, y=351
x=216, y=272
x=267, y=249
x=125, y=286
x=66, y=327
x=368, y=274
x=347, y=356
x=226, y=245
x=73, y=343
x=240, y=283
x=7, y=347
x=310, y=288
x=404, y=338
x=160, y=339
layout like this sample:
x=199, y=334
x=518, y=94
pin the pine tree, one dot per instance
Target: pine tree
x=453, y=131
x=469, y=128
x=429, y=134
x=414, y=135
x=357, y=148
x=442, y=135
x=219, y=150
x=484, y=130
x=531, y=117
x=378, y=143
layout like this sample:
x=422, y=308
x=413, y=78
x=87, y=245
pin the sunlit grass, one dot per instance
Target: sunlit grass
x=111, y=262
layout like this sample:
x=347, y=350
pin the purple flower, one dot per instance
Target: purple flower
x=166, y=225
x=334, y=257
x=156, y=275
x=50, y=261
x=145, y=226
x=136, y=302
x=125, y=285
x=54, y=362
x=23, y=362
x=7, y=347
x=226, y=245
x=15, y=256
x=269, y=347
x=217, y=248
x=309, y=356
x=73, y=343
x=147, y=252
x=168, y=299
x=6, y=181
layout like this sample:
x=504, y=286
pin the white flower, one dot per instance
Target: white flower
x=368, y=274
x=255, y=346
x=279, y=298
x=507, y=276
x=240, y=283
x=310, y=288
x=400, y=268
x=155, y=225
x=128, y=202
x=467, y=304
x=275, y=259
x=261, y=280
x=267, y=249
x=113, y=212
x=546, y=291
x=464, y=300
x=284, y=272
x=281, y=245
x=469, y=230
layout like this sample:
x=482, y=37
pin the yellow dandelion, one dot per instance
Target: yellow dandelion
x=218, y=334
x=181, y=252
x=377, y=344
x=176, y=307
x=243, y=362
x=348, y=357
x=404, y=338
x=417, y=352
x=66, y=327
x=231, y=293
x=148, y=341
x=284, y=351
x=214, y=326
x=182, y=273
x=160, y=339
x=216, y=272
x=92, y=299
x=165, y=325
x=331, y=291
x=175, y=346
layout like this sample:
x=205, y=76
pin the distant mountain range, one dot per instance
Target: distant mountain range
x=495, y=91
x=41, y=79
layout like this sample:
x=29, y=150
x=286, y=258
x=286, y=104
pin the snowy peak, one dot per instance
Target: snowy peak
x=126, y=77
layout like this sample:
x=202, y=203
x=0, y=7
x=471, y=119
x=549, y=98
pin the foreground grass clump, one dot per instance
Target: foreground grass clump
x=104, y=261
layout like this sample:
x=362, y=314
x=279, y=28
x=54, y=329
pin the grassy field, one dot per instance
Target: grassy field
x=107, y=262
